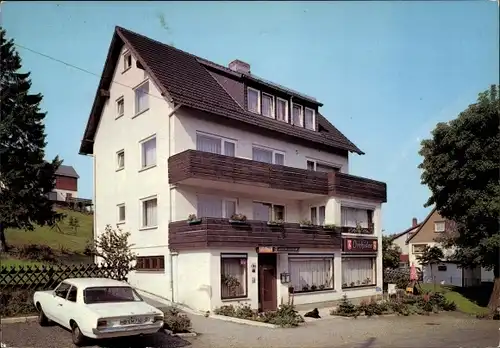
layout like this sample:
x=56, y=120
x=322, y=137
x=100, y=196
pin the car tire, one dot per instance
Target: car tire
x=77, y=336
x=42, y=318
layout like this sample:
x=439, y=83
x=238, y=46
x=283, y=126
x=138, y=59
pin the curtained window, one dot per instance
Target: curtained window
x=358, y=271
x=253, y=100
x=318, y=215
x=142, y=98
x=149, y=212
x=310, y=274
x=150, y=263
x=215, y=145
x=267, y=105
x=268, y=156
x=282, y=110
x=216, y=207
x=352, y=216
x=268, y=212
x=297, y=115
x=233, y=276
x=148, y=152
x=309, y=118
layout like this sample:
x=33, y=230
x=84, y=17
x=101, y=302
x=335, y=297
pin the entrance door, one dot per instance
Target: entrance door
x=267, y=282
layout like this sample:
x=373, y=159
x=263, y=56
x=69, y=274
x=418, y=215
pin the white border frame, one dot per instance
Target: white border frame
x=119, y=206
x=272, y=209
x=278, y=99
x=137, y=113
x=314, y=118
x=218, y=137
x=118, y=168
x=141, y=157
x=141, y=212
x=126, y=54
x=117, y=101
x=274, y=152
x=301, y=115
x=273, y=105
x=258, y=100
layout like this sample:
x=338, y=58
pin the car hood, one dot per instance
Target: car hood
x=118, y=309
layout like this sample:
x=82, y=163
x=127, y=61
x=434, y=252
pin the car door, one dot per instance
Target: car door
x=68, y=309
x=60, y=294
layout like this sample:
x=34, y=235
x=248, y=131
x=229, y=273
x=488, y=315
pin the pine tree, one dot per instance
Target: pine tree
x=25, y=176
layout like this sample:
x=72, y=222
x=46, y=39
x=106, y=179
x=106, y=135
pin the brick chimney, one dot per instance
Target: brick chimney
x=240, y=66
x=414, y=222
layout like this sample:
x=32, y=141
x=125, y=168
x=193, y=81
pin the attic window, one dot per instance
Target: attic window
x=253, y=97
x=127, y=61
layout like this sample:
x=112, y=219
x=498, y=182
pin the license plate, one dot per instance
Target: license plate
x=131, y=321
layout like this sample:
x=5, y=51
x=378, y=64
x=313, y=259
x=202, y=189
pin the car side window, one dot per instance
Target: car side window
x=72, y=294
x=62, y=290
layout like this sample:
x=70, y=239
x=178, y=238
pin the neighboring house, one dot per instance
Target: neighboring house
x=173, y=134
x=400, y=240
x=66, y=184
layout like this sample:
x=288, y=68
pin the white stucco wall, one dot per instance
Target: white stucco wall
x=401, y=243
x=61, y=194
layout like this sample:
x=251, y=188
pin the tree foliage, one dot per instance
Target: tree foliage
x=113, y=248
x=391, y=253
x=461, y=168
x=25, y=176
x=431, y=255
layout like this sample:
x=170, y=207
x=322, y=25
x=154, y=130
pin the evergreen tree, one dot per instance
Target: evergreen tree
x=461, y=168
x=25, y=176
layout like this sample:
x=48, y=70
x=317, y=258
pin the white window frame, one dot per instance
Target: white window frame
x=222, y=139
x=417, y=244
x=142, y=165
x=329, y=257
x=438, y=223
x=118, y=101
x=224, y=201
x=374, y=271
x=258, y=100
x=245, y=276
x=142, y=84
x=316, y=162
x=301, y=115
x=317, y=213
x=118, y=155
x=278, y=99
x=126, y=55
x=313, y=120
x=119, y=207
x=142, y=211
x=260, y=147
x=273, y=108
x=364, y=209
x=273, y=213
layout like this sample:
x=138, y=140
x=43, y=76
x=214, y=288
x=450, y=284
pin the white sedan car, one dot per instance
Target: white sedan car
x=97, y=308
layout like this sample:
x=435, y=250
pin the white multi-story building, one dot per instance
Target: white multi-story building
x=173, y=134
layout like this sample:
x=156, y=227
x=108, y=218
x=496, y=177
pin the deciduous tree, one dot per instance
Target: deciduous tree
x=25, y=176
x=391, y=253
x=461, y=168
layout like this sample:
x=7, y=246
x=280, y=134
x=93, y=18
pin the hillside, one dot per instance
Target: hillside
x=71, y=239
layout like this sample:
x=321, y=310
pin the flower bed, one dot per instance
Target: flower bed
x=285, y=316
x=175, y=321
x=16, y=303
x=405, y=305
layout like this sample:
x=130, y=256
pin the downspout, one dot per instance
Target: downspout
x=169, y=152
x=94, y=222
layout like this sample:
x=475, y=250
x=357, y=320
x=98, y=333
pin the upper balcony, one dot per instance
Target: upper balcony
x=200, y=168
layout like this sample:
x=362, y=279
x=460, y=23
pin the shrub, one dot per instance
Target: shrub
x=438, y=300
x=346, y=308
x=400, y=307
x=227, y=310
x=176, y=321
x=16, y=303
x=244, y=312
x=37, y=252
x=285, y=316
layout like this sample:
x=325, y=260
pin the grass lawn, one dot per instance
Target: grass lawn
x=66, y=237
x=18, y=263
x=471, y=300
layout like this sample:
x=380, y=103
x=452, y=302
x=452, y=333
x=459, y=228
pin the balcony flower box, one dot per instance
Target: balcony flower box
x=330, y=228
x=238, y=219
x=193, y=220
x=306, y=224
x=278, y=223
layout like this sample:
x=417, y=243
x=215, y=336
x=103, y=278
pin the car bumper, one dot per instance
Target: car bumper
x=133, y=330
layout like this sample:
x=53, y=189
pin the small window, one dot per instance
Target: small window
x=442, y=268
x=148, y=153
x=121, y=213
x=318, y=215
x=127, y=61
x=439, y=226
x=419, y=248
x=268, y=156
x=120, y=159
x=62, y=290
x=309, y=119
x=311, y=165
x=150, y=263
x=149, y=213
x=268, y=212
x=253, y=97
x=142, y=98
x=233, y=276
x=72, y=294
x=352, y=217
x=120, y=107
x=267, y=105
x=282, y=110
x=215, y=145
x=321, y=167
x=216, y=207
x=297, y=115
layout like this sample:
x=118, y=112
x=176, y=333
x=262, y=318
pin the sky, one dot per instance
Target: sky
x=386, y=72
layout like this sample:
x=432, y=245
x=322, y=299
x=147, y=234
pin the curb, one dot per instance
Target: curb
x=243, y=321
x=16, y=320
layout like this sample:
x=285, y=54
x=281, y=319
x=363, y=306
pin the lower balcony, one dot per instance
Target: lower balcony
x=219, y=233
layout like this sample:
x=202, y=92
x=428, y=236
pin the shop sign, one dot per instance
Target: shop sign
x=275, y=249
x=360, y=245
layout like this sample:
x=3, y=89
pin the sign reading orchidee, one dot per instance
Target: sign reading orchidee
x=360, y=245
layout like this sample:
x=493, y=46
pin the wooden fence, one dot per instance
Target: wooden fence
x=47, y=277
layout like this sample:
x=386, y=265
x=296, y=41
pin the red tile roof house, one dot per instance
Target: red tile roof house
x=66, y=184
x=172, y=134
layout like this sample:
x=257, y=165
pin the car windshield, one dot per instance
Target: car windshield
x=106, y=294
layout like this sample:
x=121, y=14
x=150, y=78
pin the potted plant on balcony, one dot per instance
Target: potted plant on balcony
x=330, y=228
x=358, y=229
x=306, y=224
x=275, y=223
x=238, y=219
x=193, y=220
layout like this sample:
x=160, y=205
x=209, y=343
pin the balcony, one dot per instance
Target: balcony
x=219, y=233
x=199, y=168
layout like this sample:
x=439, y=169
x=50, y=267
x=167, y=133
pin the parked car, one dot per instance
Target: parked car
x=97, y=308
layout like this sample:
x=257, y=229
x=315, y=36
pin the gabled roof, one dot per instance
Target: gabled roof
x=185, y=79
x=412, y=228
x=67, y=171
x=422, y=224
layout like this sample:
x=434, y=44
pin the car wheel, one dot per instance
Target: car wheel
x=77, y=336
x=42, y=318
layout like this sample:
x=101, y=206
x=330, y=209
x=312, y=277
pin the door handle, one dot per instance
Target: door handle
x=59, y=304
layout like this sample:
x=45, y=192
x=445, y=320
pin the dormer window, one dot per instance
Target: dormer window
x=309, y=117
x=253, y=97
x=297, y=115
x=267, y=105
x=282, y=110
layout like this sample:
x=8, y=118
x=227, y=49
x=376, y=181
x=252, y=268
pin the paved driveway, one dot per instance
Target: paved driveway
x=443, y=331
